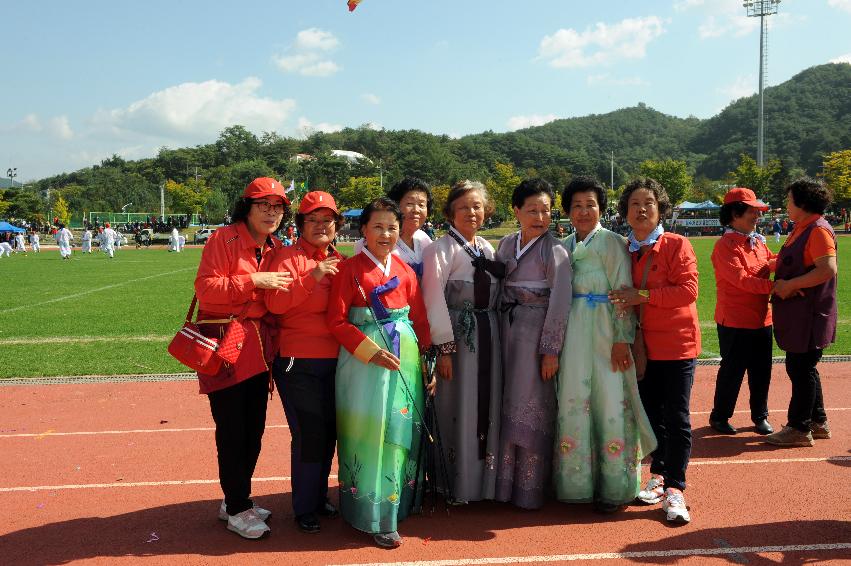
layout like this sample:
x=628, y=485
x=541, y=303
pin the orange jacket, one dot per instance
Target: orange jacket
x=670, y=325
x=302, y=329
x=224, y=288
x=742, y=281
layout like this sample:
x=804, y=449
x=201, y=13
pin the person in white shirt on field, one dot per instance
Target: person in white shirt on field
x=86, y=242
x=181, y=242
x=174, y=240
x=64, y=237
x=117, y=239
x=34, y=242
x=108, y=240
x=20, y=246
x=5, y=249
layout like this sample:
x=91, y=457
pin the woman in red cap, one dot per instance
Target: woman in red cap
x=743, y=266
x=307, y=355
x=234, y=273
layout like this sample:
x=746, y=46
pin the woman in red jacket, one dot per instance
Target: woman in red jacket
x=671, y=333
x=232, y=276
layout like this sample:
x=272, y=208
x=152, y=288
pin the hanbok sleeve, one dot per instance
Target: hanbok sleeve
x=418, y=313
x=560, y=279
x=619, y=273
x=343, y=292
x=437, y=261
x=215, y=283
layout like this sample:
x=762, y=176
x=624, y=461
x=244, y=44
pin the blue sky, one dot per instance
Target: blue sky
x=83, y=80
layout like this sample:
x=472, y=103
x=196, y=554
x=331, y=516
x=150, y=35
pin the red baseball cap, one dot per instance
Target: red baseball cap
x=747, y=196
x=265, y=187
x=317, y=199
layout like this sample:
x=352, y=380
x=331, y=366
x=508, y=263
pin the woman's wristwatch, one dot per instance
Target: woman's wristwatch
x=645, y=293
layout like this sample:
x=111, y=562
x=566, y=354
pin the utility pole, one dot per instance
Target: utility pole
x=162, y=201
x=613, y=171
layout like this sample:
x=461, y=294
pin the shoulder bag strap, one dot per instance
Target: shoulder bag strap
x=643, y=285
x=191, y=308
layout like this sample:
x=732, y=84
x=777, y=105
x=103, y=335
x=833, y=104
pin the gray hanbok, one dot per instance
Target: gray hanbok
x=468, y=405
x=536, y=300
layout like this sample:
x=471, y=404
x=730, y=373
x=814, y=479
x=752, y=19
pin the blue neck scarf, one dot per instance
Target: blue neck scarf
x=752, y=237
x=635, y=245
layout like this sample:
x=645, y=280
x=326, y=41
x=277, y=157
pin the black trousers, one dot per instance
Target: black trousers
x=807, y=403
x=239, y=412
x=666, y=395
x=307, y=392
x=743, y=349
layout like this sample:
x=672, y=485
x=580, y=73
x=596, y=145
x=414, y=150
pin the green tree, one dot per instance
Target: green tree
x=61, y=210
x=501, y=186
x=4, y=205
x=216, y=207
x=439, y=195
x=359, y=192
x=189, y=197
x=837, y=174
x=758, y=179
x=673, y=175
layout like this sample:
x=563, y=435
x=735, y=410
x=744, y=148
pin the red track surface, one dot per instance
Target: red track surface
x=734, y=505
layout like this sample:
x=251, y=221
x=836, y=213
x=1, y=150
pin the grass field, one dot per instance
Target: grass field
x=95, y=316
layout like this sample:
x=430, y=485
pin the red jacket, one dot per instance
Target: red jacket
x=302, y=329
x=670, y=325
x=225, y=289
x=742, y=282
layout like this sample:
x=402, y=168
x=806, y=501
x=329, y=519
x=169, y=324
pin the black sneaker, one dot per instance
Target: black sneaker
x=724, y=427
x=308, y=523
x=388, y=540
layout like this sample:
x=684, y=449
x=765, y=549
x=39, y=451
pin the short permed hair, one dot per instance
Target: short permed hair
x=381, y=204
x=529, y=188
x=810, y=194
x=652, y=185
x=460, y=189
x=242, y=208
x=584, y=184
x=398, y=191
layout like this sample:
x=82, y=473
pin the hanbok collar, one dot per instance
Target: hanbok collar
x=587, y=240
x=752, y=237
x=518, y=253
x=460, y=238
x=385, y=269
x=406, y=253
x=635, y=245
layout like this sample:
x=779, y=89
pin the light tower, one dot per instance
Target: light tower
x=761, y=9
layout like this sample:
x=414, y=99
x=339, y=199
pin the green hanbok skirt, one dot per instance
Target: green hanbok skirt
x=379, y=430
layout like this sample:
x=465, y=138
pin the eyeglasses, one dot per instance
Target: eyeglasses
x=266, y=206
x=321, y=221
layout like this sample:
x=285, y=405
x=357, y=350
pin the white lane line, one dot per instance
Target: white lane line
x=96, y=290
x=614, y=555
x=135, y=484
x=699, y=462
x=86, y=339
x=332, y=476
x=41, y=435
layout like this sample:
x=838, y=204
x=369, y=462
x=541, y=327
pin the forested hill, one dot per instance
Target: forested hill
x=807, y=117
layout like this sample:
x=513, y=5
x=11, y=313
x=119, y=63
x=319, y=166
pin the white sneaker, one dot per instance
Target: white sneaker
x=674, y=506
x=248, y=525
x=653, y=492
x=264, y=514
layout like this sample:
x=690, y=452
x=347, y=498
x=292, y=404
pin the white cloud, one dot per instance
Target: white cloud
x=370, y=98
x=741, y=87
x=844, y=5
x=683, y=5
x=309, y=54
x=305, y=127
x=606, y=79
x=602, y=44
x=61, y=128
x=192, y=112
x=724, y=18
x=520, y=122
x=842, y=59
x=58, y=127
x=315, y=39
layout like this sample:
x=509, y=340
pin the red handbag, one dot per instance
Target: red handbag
x=193, y=349
x=230, y=346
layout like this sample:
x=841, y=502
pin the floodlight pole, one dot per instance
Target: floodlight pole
x=761, y=8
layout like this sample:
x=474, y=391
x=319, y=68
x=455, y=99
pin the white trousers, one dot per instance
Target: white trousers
x=36, y=247
x=109, y=250
x=5, y=249
x=86, y=247
x=64, y=249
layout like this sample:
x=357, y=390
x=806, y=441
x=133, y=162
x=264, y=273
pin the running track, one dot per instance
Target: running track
x=125, y=472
